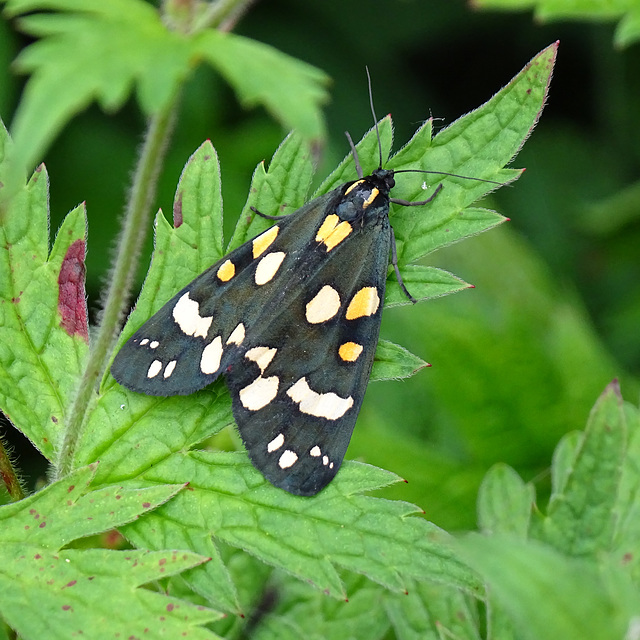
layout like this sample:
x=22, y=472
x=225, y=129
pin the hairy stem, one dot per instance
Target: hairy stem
x=136, y=224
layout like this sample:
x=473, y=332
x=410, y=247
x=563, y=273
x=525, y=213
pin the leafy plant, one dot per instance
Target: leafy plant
x=247, y=545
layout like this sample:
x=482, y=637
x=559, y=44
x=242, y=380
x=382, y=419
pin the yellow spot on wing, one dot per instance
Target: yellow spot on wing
x=331, y=233
x=350, y=351
x=371, y=198
x=364, y=303
x=264, y=240
x=226, y=271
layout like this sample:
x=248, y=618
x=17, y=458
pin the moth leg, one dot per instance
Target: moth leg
x=265, y=215
x=394, y=262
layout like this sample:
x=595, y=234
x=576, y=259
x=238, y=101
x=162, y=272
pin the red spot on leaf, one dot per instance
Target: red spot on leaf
x=70, y=584
x=72, y=303
x=42, y=525
x=70, y=488
x=177, y=211
x=170, y=607
x=66, y=607
x=146, y=505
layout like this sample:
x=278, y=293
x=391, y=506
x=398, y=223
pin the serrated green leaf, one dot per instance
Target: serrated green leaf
x=432, y=612
x=90, y=589
x=477, y=145
x=627, y=510
x=548, y=595
x=277, y=191
x=43, y=314
x=505, y=502
x=368, y=150
x=290, y=89
x=101, y=51
x=580, y=521
x=230, y=500
x=393, y=362
x=423, y=283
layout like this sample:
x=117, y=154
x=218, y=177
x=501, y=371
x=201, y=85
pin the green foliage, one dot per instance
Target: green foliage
x=628, y=13
x=520, y=350
x=571, y=573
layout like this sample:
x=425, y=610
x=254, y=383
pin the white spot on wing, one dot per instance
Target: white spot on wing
x=186, y=313
x=262, y=356
x=287, y=459
x=324, y=305
x=325, y=460
x=211, y=355
x=321, y=405
x=315, y=451
x=237, y=335
x=168, y=370
x=276, y=443
x=154, y=369
x=259, y=393
x=268, y=267
x=154, y=345
x=144, y=341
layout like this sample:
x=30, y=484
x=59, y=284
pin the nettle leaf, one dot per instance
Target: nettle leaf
x=308, y=538
x=582, y=517
x=43, y=313
x=102, y=51
x=91, y=592
x=477, y=145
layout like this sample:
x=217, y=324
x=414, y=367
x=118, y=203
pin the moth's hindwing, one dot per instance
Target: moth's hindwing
x=291, y=319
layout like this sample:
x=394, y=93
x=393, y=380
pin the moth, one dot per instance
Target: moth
x=291, y=320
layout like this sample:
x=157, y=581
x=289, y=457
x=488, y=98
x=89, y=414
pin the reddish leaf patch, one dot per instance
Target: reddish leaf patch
x=72, y=303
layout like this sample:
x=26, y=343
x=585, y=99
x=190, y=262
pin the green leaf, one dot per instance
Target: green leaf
x=581, y=519
x=433, y=612
x=309, y=539
x=93, y=50
x=277, y=191
x=93, y=590
x=548, y=595
x=423, y=283
x=626, y=33
x=393, y=362
x=43, y=314
x=477, y=145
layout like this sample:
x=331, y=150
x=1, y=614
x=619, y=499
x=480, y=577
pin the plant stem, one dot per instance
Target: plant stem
x=136, y=224
x=9, y=476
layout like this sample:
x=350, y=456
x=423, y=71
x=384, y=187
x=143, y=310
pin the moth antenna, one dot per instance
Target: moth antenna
x=356, y=160
x=373, y=113
x=445, y=173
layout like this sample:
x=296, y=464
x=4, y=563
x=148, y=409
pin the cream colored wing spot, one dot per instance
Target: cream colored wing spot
x=264, y=241
x=168, y=370
x=144, y=341
x=237, y=335
x=259, y=393
x=350, y=351
x=154, y=369
x=315, y=452
x=364, y=303
x=211, y=356
x=226, y=271
x=325, y=460
x=321, y=405
x=262, y=356
x=186, y=313
x=154, y=345
x=323, y=306
x=276, y=443
x=268, y=267
x=287, y=459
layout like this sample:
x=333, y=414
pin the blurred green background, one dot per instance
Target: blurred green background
x=519, y=360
